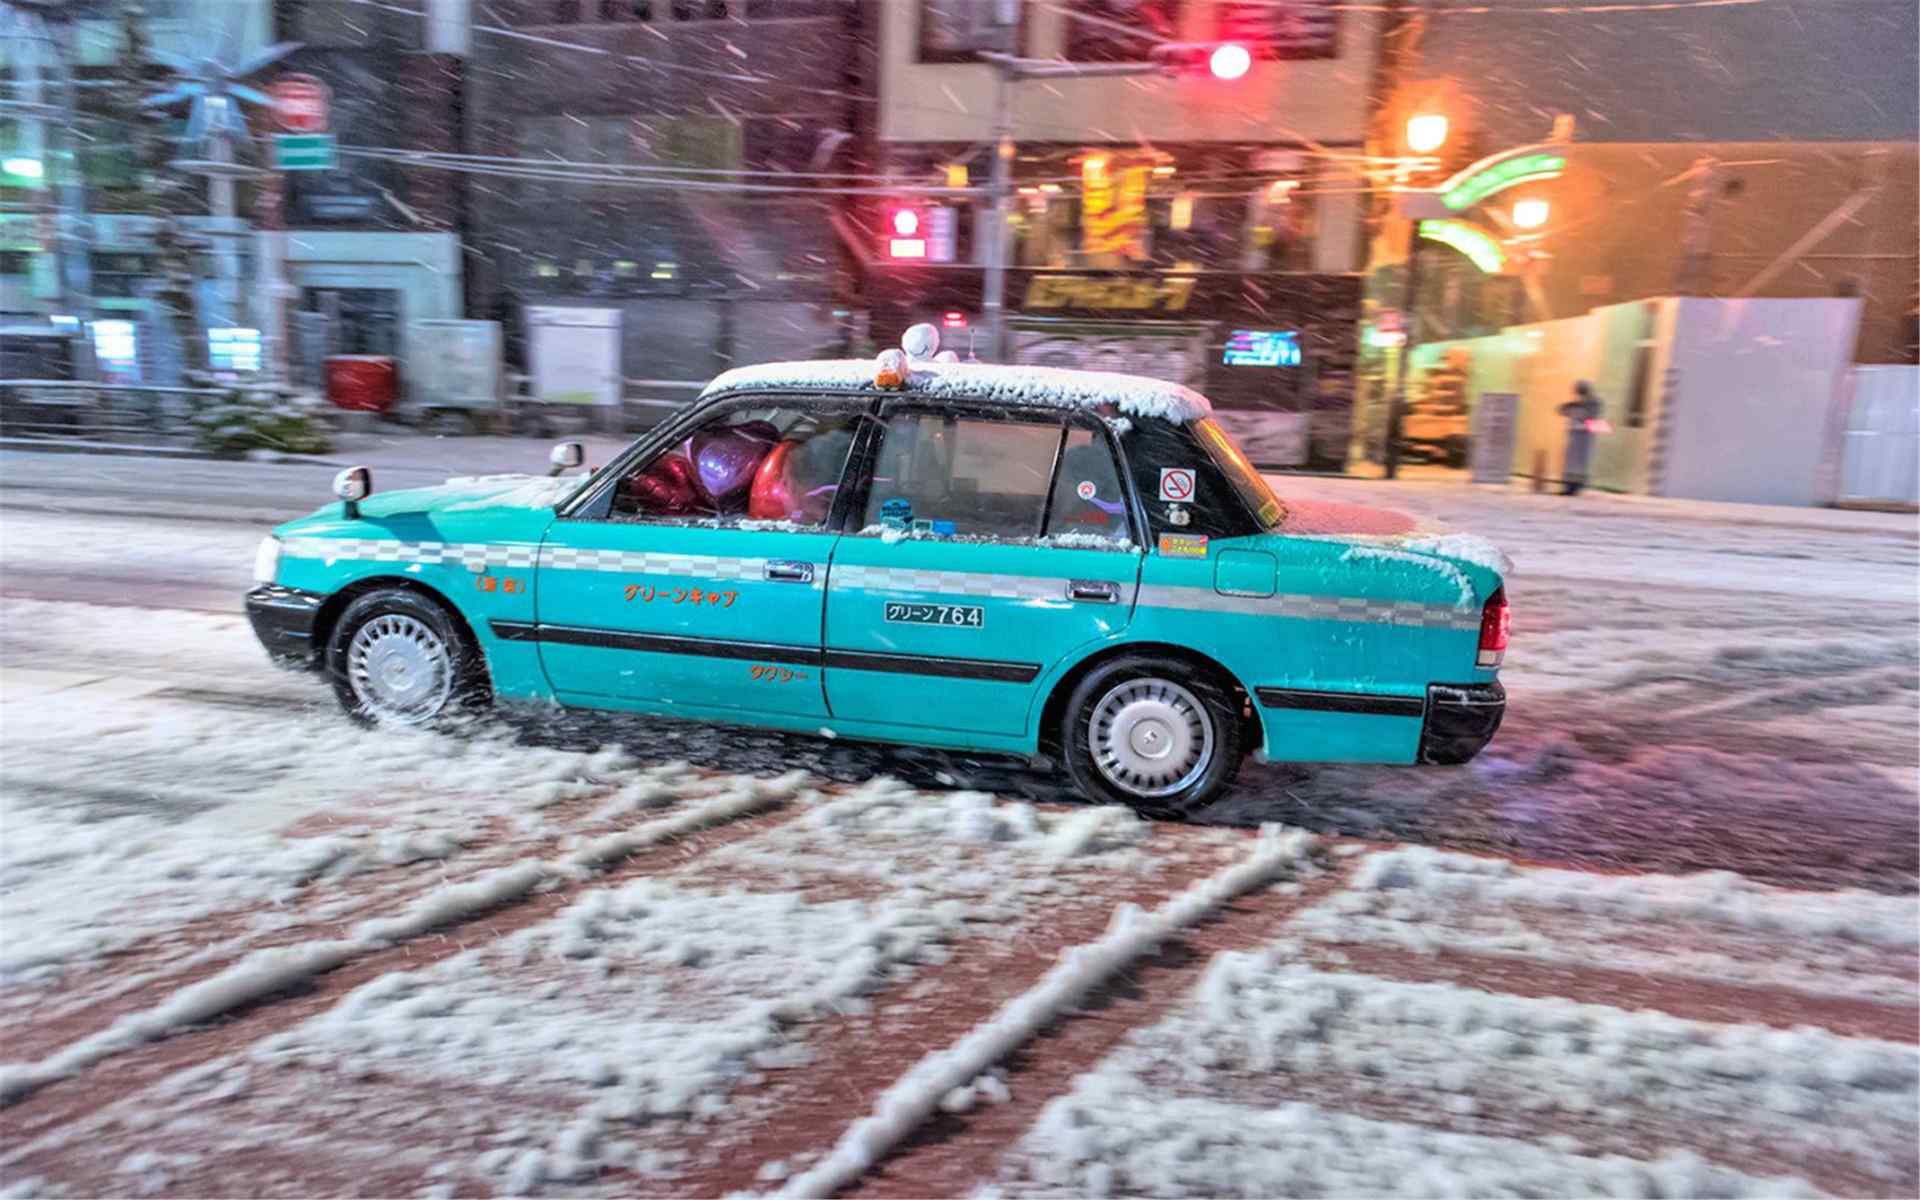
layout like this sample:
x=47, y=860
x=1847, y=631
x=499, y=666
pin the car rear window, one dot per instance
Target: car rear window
x=1245, y=480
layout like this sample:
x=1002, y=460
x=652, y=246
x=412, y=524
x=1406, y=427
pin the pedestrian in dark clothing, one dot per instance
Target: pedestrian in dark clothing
x=1579, y=411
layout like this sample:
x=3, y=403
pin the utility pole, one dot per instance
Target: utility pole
x=1009, y=71
x=1410, y=317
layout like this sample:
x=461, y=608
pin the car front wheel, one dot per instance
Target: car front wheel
x=1154, y=733
x=398, y=658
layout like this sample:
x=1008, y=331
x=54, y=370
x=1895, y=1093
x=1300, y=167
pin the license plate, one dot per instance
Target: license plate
x=969, y=616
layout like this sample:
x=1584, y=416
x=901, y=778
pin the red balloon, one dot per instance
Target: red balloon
x=666, y=489
x=772, y=498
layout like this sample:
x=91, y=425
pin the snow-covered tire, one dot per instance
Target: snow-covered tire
x=1160, y=735
x=397, y=657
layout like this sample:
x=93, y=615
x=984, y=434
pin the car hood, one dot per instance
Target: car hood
x=475, y=492
x=484, y=507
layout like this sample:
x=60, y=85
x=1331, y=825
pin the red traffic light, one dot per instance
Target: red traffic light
x=907, y=240
x=1229, y=60
x=906, y=222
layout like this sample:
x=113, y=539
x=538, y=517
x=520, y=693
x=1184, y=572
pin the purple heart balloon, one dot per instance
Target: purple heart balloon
x=724, y=463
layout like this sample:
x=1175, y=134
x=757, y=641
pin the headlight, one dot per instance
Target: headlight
x=266, y=560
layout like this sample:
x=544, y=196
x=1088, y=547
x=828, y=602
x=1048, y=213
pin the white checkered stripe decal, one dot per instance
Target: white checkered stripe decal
x=472, y=555
x=479, y=555
x=647, y=562
x=950, y=583
x=1354, y=609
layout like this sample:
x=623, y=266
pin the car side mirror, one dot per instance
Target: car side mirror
x=352, y=486
x=564, y=455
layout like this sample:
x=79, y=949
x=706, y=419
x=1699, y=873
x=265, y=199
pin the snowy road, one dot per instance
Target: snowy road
x=236, y=929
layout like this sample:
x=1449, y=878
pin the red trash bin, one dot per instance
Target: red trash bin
x=363, y=382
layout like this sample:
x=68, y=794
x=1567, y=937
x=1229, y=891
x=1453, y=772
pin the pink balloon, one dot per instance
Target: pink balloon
x=724, y=463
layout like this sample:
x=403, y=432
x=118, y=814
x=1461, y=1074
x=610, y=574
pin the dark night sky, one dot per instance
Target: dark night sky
x=1818, y=70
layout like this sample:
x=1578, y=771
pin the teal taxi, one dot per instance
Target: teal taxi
x=1079, y=567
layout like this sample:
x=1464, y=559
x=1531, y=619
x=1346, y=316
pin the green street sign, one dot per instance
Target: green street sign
x=303, y=152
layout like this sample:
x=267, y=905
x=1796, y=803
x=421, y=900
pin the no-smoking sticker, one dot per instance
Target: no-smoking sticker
x=1176, y=483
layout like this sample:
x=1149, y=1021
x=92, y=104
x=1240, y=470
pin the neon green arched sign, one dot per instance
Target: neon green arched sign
x=1476, y=243
x=1467, y=192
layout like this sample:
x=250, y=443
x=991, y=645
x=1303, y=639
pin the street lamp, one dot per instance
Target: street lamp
x=1426, y=132
x=1531, y=213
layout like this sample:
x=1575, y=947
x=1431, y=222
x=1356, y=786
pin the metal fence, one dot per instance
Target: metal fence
x=1880, y=460
x=124, y=414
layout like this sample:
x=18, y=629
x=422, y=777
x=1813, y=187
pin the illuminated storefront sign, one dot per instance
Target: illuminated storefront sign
x=1082, y=291
x=1501, y=176
x=1480, y=248
x=1261, y=348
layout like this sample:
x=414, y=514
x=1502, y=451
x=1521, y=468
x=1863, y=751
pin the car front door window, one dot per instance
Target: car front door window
x=775, y=467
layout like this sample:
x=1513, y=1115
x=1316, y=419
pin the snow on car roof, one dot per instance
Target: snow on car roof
x=1036, y=387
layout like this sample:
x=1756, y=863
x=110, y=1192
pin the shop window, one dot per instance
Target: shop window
x=699, y=10
x=15, y=262
x=768, y=464
x=962, y=477
x=1119, y=30
x=1296, y=30
x=959, y=30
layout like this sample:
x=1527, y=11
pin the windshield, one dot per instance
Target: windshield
x=1232, y=461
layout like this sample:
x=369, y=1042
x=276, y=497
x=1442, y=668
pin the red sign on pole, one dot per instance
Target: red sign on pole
x=300, y=103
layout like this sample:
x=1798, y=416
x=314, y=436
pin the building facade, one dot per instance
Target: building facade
x=1177, y=222
x=679, y=168
x=1604, y=158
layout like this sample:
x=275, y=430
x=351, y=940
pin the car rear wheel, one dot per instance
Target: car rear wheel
x=398, y=658
x=1157, y=734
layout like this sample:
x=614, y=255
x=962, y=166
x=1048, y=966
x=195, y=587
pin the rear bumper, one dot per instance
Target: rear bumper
x=283, y=620
x=1461, y=720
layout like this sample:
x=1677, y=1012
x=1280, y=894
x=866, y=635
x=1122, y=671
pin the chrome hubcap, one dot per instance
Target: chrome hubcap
x=1151, y=737
x=399, y=669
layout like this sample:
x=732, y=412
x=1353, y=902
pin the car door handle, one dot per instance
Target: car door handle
x=783, y=571
x=1094, y=591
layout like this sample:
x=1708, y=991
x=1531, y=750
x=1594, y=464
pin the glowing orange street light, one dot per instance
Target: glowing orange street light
x=1531, y=213
x=1229, y=60
x=1426, y=132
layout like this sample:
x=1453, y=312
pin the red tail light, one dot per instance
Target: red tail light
x=1496, y=621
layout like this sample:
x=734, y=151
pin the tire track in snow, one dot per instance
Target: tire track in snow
x=165, y=1037
x=1131, y=936
x=954, y=1152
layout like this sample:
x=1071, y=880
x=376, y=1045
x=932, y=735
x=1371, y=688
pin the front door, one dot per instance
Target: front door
x=697, y=580
x=992, y=544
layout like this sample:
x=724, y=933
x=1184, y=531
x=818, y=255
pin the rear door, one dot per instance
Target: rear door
x=697, y=581
x=988, y=545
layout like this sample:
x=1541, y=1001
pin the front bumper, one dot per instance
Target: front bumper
x=283, y=619
x=1461, y=720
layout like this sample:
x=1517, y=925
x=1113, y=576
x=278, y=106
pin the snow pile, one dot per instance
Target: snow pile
x=1016, y=386
x=1715, y=927
x=1716, y=897
x=916, y=1095
x=1455, y=578
x=1113, y=1135
x=265, y=972
x=637, y=1005
x=1261, y=1027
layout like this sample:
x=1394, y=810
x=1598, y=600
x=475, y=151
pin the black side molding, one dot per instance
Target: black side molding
x=924, y=664
x=806, y=656
x=656, y=643
x=1369, y=703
